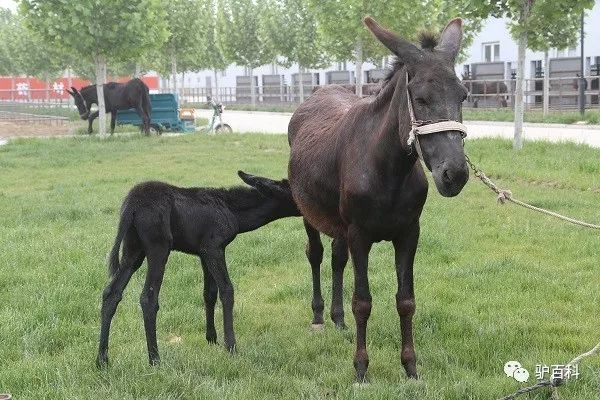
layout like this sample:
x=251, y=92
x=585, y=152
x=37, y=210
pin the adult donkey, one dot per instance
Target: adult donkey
x=117, y=96
x=354, y=173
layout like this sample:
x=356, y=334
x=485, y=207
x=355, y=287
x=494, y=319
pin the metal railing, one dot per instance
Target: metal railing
x=563, y=94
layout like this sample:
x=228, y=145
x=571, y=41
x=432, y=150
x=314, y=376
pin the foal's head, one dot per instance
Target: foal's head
x=436, y=94
x=82, y=107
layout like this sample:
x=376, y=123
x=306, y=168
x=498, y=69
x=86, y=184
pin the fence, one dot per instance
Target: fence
x=563, y=93
x=34, y=117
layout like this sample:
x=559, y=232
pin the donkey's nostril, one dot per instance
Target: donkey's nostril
x=447, y=175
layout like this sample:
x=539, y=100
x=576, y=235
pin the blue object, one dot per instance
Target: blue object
x=165, y=115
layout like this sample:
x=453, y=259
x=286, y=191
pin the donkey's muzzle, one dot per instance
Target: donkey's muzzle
x=450, y=177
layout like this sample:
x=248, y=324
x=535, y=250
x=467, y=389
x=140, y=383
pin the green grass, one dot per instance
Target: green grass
x=493, y=283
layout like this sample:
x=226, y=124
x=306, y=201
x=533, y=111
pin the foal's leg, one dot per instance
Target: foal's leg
x=339, y=258
x=215, y=263
x=157, y=256
x=360, y=246
x=133, y=256
x=210, y=299
x=314, y=253
x=405, y=249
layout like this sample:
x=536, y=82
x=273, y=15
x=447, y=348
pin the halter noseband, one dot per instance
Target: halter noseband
x=419, y=127
x=87, y=111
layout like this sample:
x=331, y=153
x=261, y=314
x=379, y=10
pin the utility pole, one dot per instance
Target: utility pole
x=582, y=82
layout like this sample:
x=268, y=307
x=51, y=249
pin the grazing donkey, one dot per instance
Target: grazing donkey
x=157, y=218
x=117, y=96
x=355, y=173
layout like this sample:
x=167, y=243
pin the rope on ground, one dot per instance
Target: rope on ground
x=506, y=195
x=554, y=383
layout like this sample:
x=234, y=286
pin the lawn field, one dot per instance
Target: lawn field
x=493, y=283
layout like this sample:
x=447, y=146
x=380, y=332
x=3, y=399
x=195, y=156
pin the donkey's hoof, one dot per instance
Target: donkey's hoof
x=361, y=383
x=317, y=327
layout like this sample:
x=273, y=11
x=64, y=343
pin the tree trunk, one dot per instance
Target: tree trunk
x=138, y=70
x=100, y=78
x=174, y=70
x=69, y=84
x=252, y=89
x=546, y=97
x=519, y=92
x=13, y=88
x=301, y=70
x=359, y=64
x=216, y=85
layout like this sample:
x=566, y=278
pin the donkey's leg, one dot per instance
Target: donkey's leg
x=339, y=258
x=210, y=299
x=405, y=249
x=91, y=119
x=215, y=263
x=157, y=256
x=133, y=256
x=314, y=253
x=144, y=117
x=113, y=120
x=360, y=246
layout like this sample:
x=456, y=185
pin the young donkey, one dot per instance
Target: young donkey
x=157, y=217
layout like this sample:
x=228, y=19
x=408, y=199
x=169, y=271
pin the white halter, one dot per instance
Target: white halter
x=419, y=127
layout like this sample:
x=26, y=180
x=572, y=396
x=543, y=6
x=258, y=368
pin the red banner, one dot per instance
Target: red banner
x=23, y=88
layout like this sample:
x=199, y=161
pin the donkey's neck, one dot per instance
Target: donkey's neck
x=390, y=149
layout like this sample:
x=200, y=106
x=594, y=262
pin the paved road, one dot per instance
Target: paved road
x=269, y=122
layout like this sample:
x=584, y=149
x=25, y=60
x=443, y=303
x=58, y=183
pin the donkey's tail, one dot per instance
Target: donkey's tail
x=124, y=223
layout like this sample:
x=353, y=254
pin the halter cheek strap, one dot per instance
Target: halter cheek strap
x=419, y=127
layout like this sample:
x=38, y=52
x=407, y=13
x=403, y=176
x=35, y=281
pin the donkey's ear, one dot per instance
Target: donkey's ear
x=71, y=93
x=451, y=38
x=405, y=51
x=73, y=89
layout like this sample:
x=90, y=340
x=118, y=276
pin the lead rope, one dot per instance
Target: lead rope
x=506, y=195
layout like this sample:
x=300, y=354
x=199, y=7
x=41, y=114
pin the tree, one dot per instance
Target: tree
x=212, y=56
x=184, y=18
x=341, y=24
x=291, y=27
x=238, y=36
x=98, y=32
x=528, y=21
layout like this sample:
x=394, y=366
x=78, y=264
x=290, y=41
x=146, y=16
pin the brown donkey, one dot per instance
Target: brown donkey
x=354, y=173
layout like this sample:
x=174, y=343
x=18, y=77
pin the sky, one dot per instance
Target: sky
x=8, y=4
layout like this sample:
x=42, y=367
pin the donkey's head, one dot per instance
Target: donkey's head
x=82, y=106
x=436, y=95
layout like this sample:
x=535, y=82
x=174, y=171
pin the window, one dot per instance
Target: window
x=491, y=52
x=570, y=52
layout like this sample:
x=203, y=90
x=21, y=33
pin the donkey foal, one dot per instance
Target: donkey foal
x=157, y=217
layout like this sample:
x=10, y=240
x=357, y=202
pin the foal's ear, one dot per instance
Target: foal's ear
x=405, y=50
x=451, y=38
x=267, y=187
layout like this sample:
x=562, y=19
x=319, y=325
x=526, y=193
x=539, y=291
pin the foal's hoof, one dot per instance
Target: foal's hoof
x=317, y=327
x=340, y=326
x=102, y=361
x=231, y=349
x=154, y=361
x=361, y=383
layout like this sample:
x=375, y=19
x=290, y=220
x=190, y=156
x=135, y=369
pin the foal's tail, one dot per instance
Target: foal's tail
x=124, y=223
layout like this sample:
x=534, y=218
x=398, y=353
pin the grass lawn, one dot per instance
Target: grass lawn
x=493, y=283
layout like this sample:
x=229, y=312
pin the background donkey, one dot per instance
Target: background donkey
x=117, y=96
x=157, y=217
